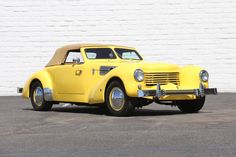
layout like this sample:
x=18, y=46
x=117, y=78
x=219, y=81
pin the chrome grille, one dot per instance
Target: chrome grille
x=163, y=78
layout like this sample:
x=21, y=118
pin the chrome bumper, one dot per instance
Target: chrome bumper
x=200, y=92
x=19, y=90
x=47, y=93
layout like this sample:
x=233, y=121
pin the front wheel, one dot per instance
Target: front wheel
x=37, y=98
x=117, y=102
x=191, y=106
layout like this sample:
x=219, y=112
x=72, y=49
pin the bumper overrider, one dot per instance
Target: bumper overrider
x=19, y=90
x=200, y=92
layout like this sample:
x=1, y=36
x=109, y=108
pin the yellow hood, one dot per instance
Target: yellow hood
x=153, y=66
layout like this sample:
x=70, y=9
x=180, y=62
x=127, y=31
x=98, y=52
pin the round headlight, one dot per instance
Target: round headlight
x=204, y=76
x=138, y=75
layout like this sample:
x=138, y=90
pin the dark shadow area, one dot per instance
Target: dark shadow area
x=87, y=110
x=150, y=112
x=79, y=109
x=102, y=111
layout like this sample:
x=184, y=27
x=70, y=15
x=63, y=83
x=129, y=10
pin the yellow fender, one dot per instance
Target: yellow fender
x=97, y=94
x=43, y=77
x=190, y=77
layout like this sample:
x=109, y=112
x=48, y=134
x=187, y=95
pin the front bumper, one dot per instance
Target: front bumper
x=200, y=92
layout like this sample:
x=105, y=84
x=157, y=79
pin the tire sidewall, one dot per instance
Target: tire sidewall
x=192, y=106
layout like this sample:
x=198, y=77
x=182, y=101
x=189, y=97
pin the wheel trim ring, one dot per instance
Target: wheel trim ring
x=116, y=99
x=38, y=96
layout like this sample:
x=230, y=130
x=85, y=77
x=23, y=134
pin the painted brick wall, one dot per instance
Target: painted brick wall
x=201, y=32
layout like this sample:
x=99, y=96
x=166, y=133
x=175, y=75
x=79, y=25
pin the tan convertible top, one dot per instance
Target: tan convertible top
x=61, y=53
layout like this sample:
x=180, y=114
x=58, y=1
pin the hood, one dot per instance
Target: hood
x=154, y=66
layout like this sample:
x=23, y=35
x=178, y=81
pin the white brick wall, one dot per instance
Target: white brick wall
x=201, y=32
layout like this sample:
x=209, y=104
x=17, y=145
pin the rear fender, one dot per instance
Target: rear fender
x=45, y=80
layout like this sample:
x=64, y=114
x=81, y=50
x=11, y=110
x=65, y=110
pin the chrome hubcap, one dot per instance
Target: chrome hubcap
x=38, y=96
x=117, y=98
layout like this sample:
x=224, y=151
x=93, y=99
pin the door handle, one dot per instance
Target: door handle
x=78, y=72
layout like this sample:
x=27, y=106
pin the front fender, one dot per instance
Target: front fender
x=190, y=77
x=126, y=75
x=43, y=76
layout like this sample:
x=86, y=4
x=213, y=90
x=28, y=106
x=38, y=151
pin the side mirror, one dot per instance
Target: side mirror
x=76, y=60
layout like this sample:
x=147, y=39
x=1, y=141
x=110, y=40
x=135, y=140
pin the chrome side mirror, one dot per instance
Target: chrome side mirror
x=76, y=60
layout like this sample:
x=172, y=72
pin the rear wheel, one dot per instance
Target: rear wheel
x=191, y=106
x=117, y=101
x=37, y=98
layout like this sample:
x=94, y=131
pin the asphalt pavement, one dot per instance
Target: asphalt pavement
x=155, y=130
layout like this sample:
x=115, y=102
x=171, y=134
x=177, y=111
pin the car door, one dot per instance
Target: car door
x=69, y=77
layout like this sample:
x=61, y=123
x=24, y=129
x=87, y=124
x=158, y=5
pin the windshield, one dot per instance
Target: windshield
x=128, y=54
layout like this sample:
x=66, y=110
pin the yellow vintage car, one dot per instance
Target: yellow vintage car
x=115, y=77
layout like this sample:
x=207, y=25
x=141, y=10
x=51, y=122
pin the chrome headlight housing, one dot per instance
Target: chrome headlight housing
x=139, y=75
x=204, y=76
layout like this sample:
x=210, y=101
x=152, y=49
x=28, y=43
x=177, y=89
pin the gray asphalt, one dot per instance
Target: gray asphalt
x=153, y=131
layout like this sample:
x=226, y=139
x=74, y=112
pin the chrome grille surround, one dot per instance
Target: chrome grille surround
x=163, y=78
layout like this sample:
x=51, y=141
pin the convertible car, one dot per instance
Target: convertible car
x=116, y=78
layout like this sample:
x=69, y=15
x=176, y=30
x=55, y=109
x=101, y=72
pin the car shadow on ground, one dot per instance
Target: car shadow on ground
x=151, y=112
x=102, y=111
x=99, y=111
